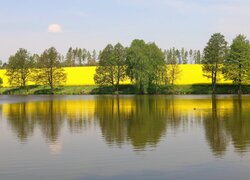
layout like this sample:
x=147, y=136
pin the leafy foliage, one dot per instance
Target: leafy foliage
x=145, y=66
x=50, y=72
x=112, y=68
x=237, y=65
x=173, y=70
x=214, y=56
x=19, y=68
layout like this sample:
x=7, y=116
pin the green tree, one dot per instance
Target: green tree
x=50, y=72
x=35, y=59
x=185, y=60
x=237, y=65
x=145, y=66
x=84, y=55
x=1, y=82
x=19, y=68
x=197, y=58
x=178, y=56
x=173, y=69
x=80, y=57
x=191, y=54
x=75, y=57
x=111, y=69
x=70, y=58
x=92, y=58
x=214, y=56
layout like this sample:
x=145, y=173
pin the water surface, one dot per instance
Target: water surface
x=124, y=137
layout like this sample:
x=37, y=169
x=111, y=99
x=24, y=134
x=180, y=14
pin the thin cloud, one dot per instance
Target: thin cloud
x=54, y=28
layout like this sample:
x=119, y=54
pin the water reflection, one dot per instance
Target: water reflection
x=228, y=123
x=215, y=130
x=142, y=121
x=24, y=117
x=238, y=124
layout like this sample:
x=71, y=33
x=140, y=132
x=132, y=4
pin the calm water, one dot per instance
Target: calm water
x=126, y=137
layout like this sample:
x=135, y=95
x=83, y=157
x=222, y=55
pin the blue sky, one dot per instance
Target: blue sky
x=92, y=24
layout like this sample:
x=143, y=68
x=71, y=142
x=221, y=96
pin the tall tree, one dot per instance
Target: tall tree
x=145, y=65
x=182, y=55
x=173, y=70
x=214, y=56
x=50, y=72
x=80, y=57
x=19, y=68
x=237, y=65
x=197, y=58
x=89, y=58
x=112, y=68
x=70, y=58
x=35, y=58
x=84, y=55
x=105, y=71
x=178, y=56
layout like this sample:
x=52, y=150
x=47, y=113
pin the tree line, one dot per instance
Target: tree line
x=232, y=61
x=43, y=70
x=83, y=57
x=143, y=63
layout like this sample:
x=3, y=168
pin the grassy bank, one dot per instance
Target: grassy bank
x=124, y=89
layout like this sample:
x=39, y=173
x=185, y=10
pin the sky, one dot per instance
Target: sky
x=92, y=24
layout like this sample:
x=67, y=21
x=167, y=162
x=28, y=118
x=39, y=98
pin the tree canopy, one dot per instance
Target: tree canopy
x=214, y=56
x=112, y=67
x=19, y=68
x=237, y=65
x=50, y=72
x=145, y=65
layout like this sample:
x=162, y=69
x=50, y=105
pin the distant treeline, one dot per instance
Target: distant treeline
x=144, y=63
x=83, y=57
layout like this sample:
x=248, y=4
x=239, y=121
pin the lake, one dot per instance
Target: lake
x=124, y=137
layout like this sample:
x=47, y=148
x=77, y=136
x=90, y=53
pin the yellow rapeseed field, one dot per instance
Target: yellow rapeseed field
x=189, y=74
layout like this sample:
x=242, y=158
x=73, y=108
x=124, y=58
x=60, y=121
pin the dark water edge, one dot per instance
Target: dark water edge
x=125, y=137
x=125, y=89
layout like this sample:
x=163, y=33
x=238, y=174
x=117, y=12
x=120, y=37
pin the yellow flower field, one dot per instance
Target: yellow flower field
x=190, y=74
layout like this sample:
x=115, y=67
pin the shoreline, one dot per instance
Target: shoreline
x=197, y=89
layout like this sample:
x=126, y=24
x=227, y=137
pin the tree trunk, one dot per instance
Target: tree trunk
x=214, y=79
x=117, y=86
x=239, y=84
x=214, y=104
x=239, y=89
x=51, y=80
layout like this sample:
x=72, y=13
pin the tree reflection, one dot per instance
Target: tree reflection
x=20, y=120
x=215, y=130
x=23, y=117
x=147, y=122
x=140, y=120
x=238, y=124
x=113, y=122
x=228, y=121
x=50, y=119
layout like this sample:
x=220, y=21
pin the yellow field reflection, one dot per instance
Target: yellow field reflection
x=141, y=121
